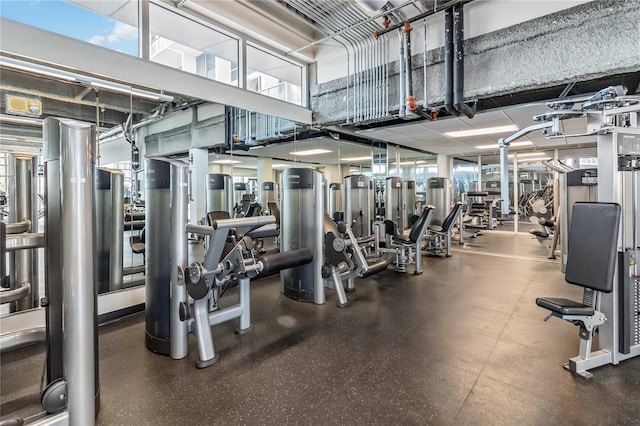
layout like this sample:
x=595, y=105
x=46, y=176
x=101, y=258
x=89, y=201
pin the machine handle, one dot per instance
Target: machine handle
x=278, y=261
x=253, y=221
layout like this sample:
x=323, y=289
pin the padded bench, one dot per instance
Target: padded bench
x=591, y=261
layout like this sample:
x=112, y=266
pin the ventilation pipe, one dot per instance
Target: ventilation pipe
x=454, y=62
x=458, y=63
x=448, y=62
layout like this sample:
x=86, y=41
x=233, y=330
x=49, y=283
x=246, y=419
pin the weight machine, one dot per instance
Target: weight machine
x=614, y=307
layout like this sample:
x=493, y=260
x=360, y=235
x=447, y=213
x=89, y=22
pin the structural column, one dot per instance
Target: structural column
x=444, y=166
x=265, y=170
x=199, y=168
x=333, y=173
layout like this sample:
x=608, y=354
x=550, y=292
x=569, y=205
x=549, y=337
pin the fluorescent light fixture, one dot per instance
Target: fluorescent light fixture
x=226, y=162
x=280, y=166
x=485, y=131
x=21, y=120
x=529, y=154
x=511, y=145
x=410, y=163
x=310, y=152
x=356, y=158
x=531, y=160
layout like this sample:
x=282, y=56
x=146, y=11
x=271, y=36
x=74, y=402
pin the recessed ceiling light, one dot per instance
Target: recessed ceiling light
x=356, y=158
x=485, y=131
x=531, y=160
x=512, y=144
x=226, y=162
x=310, y=152
x=530, y=154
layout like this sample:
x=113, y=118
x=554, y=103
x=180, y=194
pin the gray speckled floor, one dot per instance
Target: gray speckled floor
x=463, y=343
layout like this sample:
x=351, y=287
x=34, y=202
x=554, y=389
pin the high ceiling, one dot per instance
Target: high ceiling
x=307, y=22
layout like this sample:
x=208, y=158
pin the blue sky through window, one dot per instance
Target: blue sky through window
x=73, y=21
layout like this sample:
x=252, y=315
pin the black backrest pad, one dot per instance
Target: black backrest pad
x=451, y=217
x=418, y=228
x=274, y=210
x=593, y=241
x=215, y=215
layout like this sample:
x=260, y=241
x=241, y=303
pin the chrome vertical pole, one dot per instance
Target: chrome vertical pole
x=77, y=214
x=244, y=300
x=179, y=344
x=117, y=230
x=24, y=259
x=504, y=176
x=516, y=194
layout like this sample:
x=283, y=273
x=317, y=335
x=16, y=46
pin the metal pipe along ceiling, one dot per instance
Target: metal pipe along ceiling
x=458, y=61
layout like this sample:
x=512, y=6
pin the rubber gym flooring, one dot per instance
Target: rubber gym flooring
x=464, y=343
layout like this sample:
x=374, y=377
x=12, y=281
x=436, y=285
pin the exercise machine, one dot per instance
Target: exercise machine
x=334, y=201
x=109, y=189
x=591, y=263
x=220, y=193
x=358, y=205
x=268, y=194
x=348, y=257
x=613, y=118
x=229, y=261
x=439, y=195
x=439, y=237
x=407, y=248
x=19, y=289
x=302, y=226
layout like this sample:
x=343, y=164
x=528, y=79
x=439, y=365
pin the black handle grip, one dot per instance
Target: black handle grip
x=278, y=261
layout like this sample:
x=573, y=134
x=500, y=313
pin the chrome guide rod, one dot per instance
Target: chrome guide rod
x=178, y=332
x=76, y=177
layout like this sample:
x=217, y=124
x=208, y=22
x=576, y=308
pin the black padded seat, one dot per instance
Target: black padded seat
x=418, y=229
x=539, y=233
x=401, y=239
x=137, y=243
x=475, y=226
x=564, y=306
x=546, y=222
